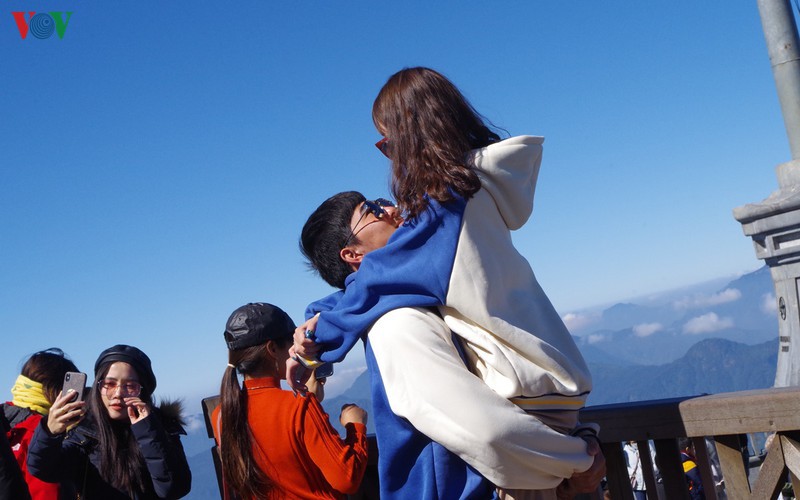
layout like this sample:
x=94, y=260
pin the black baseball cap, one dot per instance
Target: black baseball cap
x=255, y=323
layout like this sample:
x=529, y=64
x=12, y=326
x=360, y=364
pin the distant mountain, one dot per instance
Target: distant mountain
x=204, y=478
x=662, y=331
x=711, y=366
x=358, y=393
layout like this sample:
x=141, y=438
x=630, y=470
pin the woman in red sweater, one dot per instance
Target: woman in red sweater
x=274, y=443
x=34, y=391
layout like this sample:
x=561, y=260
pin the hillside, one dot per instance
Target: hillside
x=711, y=366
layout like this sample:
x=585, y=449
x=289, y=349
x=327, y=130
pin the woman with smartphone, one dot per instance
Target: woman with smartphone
x=274, y=443
x=33, y=393
x=116, y=444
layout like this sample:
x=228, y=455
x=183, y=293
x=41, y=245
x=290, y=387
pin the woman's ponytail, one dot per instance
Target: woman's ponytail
x=240, y=471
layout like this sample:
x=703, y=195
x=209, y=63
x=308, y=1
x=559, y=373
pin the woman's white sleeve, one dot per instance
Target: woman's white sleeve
x=427, y=383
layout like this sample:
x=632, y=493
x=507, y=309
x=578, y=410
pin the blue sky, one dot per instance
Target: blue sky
x=158, y=162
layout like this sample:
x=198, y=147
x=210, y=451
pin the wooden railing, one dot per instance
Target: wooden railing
x=723, y=417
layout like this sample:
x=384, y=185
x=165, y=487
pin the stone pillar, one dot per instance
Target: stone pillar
x=774, y=224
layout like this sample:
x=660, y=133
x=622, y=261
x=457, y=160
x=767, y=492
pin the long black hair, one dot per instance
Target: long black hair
x=240, y=470
x=121, y=462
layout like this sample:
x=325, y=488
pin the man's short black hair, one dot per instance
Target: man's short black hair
x=325, y=233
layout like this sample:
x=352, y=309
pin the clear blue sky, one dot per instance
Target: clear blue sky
x=157, y=163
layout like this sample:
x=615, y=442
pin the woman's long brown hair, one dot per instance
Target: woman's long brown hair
x=431, y=127
x=240, y=470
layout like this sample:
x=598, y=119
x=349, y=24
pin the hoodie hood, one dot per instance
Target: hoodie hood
x=508, y=170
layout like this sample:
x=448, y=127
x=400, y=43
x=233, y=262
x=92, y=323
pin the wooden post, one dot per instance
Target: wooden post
x=668, y=457
x=730, y=459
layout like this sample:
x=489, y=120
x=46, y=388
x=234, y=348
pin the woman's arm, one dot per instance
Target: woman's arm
x=342, y=462
x=165, y=458
x=47, y=455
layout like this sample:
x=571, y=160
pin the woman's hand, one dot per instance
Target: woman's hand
x=352, y=413
x=65, y=412
x=296, y=373
x=138, y=410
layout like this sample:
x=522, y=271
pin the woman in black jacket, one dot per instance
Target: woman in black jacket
x=124, y=447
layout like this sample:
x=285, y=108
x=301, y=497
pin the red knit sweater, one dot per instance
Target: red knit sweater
x=301, y=453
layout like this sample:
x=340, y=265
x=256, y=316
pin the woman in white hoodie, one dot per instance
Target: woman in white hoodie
x=461, y=190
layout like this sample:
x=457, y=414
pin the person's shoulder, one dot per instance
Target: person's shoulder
x=521, y=139
x=15, y=415
x=516, y=141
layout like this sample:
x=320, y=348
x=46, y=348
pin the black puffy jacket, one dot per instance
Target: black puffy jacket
x=73, y=459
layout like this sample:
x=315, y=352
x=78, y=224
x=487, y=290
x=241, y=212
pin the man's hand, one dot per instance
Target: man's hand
x=588, y=480
x=304, y=344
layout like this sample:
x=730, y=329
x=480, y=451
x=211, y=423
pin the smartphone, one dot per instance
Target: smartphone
x=324, y=370
x=75, y=381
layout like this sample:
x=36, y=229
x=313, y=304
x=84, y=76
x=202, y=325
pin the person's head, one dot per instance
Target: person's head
x=48, y=368
x=120, y=372
x=429, y=127
x=343, y=229
x=258, y=337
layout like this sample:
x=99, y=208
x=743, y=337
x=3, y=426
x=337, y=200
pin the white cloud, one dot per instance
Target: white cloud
x=595, y=338
x=576, y=321
x=696, y=301
x=769, y=304
x=194, y=423
x=707, y=323
x=647, y=329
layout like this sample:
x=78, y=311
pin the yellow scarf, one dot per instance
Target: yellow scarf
x=28, y=394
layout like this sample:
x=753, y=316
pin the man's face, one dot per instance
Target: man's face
x=372, y=232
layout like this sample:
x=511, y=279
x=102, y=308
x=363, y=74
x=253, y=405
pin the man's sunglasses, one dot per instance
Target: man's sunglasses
x=383, y=146
x=376, y=208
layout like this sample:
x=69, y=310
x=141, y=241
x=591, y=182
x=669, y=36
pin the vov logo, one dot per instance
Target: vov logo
x=43, y=24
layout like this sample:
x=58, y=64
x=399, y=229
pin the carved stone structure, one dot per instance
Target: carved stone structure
x=774, y=224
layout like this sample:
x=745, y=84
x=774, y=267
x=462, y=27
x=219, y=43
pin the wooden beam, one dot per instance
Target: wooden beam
x=791, y=454
x=619, y=483
x=772, y=473
x=669, y=463
x=647, y=468
x=730, y=460
x=639, y=421
x=704, y=466
x=765, y=410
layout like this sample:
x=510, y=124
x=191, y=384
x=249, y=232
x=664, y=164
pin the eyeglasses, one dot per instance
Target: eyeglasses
x=129, y=388
x=376, y=208
x=383, y=146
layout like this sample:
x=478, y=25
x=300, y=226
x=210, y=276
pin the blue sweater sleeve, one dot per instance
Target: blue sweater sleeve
x=324, y=304
x=412, y=270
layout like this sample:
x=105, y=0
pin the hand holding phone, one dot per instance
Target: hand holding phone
x=68, y=408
